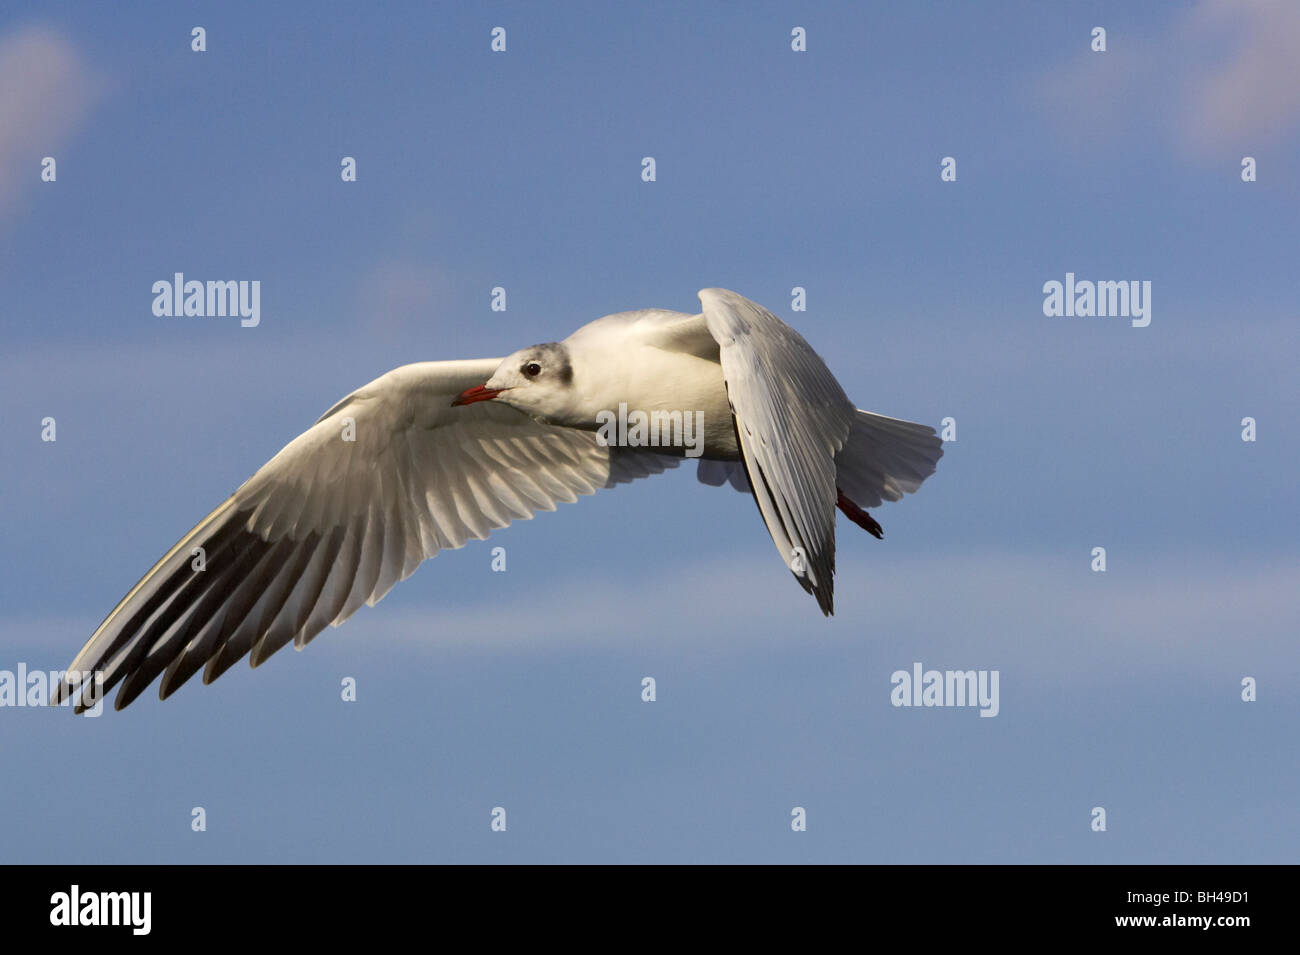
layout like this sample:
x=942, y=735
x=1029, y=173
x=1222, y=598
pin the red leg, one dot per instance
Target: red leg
x=858, y=516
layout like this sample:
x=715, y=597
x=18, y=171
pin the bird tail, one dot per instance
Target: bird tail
x=885, y=458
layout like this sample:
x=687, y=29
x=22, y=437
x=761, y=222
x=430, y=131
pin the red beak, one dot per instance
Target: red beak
x=477, y=393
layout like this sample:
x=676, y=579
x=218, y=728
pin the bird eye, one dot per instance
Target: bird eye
x=532, y=369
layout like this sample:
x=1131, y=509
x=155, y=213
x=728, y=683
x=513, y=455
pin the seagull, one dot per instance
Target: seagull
x=434, y=453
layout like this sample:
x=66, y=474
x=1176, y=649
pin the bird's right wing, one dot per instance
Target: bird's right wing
x=389, y=476
x=792, y=418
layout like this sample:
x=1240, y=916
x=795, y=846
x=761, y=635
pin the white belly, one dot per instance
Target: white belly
x=667, y=387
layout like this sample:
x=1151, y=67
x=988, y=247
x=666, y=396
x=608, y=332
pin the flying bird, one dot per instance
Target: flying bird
x=432, y=454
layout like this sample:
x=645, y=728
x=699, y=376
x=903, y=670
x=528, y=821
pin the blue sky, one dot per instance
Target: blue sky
x=775, y=169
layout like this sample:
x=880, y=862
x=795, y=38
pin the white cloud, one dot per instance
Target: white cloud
x=1172, y=621
x=1219, y=81
x=1253, y=93
x=1174, y=616
x=46, y=92
x=395, y=294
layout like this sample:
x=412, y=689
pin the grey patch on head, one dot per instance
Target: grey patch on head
x=554, y=359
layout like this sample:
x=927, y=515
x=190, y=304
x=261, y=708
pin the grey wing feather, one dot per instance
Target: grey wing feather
x=792, y=418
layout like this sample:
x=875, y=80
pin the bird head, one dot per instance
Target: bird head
x=535, y=380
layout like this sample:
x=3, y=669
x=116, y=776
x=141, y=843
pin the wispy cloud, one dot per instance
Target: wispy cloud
x=1052, y=618
x=1049, y=620
x=1254, y=91
x=394, y=294
x=46, y=91
x=1220, y=80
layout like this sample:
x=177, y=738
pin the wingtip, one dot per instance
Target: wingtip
x=827, y=605
x=706, y=293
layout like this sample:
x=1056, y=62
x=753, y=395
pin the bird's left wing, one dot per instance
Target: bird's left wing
x=386, y=478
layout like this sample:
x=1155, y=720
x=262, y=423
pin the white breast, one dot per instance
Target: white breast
x=613, y=367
